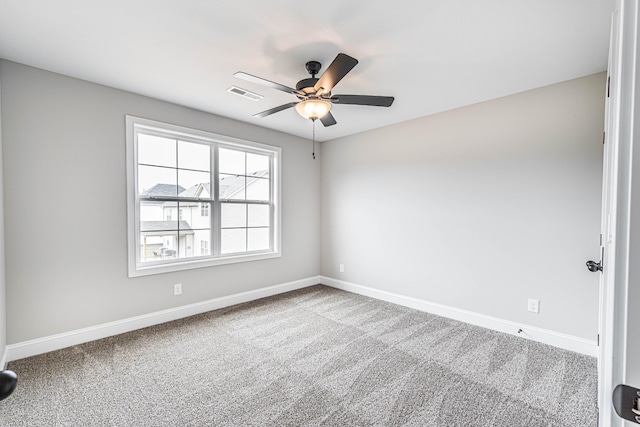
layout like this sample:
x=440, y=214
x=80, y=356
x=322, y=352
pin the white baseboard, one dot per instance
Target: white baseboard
x=3, y=359
x=79, y=336
x=556, y=339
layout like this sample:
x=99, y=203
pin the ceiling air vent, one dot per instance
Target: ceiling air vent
x=245, y=93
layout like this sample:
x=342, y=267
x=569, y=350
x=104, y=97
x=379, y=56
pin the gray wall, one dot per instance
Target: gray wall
x=3, y=310
x=478, y=208
x=65, y=200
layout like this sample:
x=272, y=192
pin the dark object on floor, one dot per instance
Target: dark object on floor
x=8, y=383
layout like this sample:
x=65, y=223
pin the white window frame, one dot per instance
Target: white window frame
x=135, y=125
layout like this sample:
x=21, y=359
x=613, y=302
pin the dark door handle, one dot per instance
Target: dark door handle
x=594, y=267
x=626, y=401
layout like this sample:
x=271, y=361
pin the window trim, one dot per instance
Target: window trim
x=135, y=268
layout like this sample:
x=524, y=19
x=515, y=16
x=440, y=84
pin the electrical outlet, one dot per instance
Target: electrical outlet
x=341, y=268
x=177, y=289
x=533, y=305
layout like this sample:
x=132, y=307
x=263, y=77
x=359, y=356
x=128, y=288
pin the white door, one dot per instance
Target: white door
x=608, y=226
x=620, y=316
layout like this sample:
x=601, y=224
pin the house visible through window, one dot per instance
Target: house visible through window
x=224, y=193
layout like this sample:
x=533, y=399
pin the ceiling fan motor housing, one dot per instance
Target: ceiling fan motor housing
x=307, y=85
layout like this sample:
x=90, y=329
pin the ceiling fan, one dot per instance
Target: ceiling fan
x=314, y=94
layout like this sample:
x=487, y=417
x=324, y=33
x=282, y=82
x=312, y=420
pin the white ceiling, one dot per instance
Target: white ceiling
x=431, y=55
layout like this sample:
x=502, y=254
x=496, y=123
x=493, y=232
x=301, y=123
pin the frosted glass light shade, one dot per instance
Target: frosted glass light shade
x=313, y=108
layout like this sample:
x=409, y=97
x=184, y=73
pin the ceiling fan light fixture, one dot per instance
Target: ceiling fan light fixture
x=313, y=108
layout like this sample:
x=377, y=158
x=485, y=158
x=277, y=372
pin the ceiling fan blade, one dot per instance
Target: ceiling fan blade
x=339, y=68
x=328, y=120
x=375, y=101
x=275, y=110
x=265, y=82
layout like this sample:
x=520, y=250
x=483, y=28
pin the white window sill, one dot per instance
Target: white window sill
x=146, y=270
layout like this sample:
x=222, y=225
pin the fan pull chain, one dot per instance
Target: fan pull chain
x=314, y=138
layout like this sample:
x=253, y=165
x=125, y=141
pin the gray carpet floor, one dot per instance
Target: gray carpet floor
x=316, y=356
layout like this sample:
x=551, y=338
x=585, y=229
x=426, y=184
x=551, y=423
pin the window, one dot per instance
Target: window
x=187, y=186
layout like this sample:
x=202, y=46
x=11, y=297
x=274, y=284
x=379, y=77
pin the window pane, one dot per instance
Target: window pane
x=258, y=216
x=151, y=211
x=232, y=187
x=155, y=150
x=234, y=215
x=258, y=239
x=257, y=165
x=185, y=247
x=231, y=161
x=157, y=245
x=258, y=189
x=233, y=240
x=195, y=231
x=158, y=182
x=172, y=233
x=158, y=218
x=194, y=156
x=195, y=184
